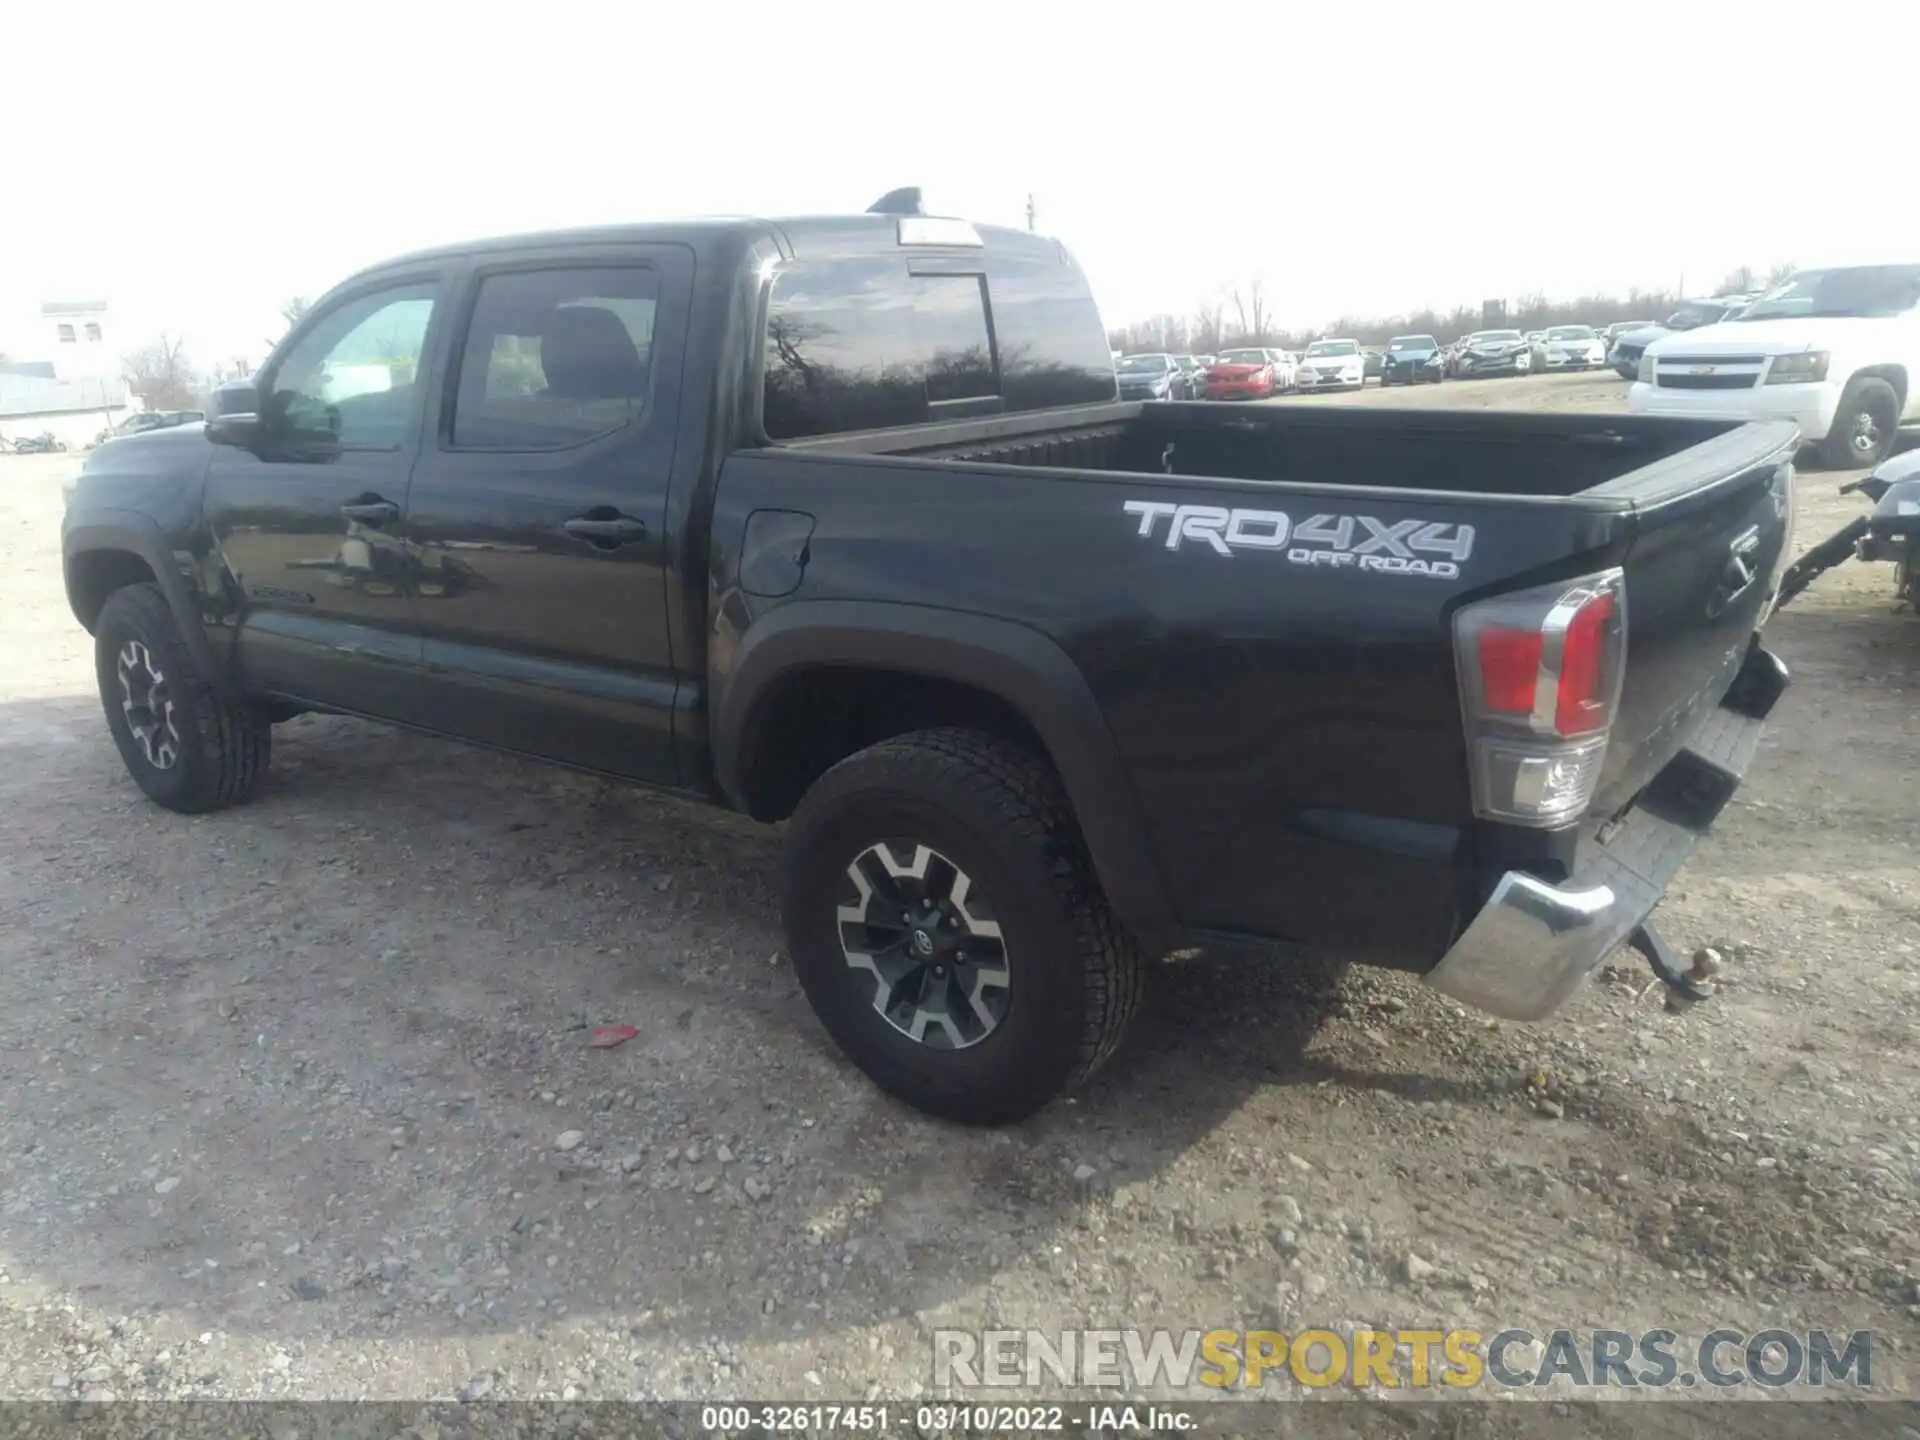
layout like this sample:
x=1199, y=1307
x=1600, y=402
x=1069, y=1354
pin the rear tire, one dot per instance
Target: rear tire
x=1864, y=426
x=964, y=821
x=189, y=750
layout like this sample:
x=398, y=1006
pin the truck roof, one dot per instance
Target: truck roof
x=800, y=236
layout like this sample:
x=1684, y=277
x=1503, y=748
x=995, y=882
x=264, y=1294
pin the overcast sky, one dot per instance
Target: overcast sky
x=198, y=165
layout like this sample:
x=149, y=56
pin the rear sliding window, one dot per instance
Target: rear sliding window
x=879, y=341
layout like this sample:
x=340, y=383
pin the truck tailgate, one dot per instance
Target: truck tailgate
x=1712, y=533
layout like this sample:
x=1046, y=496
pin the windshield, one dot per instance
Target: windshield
x=1692, y=317
x=1570, y=332
x=1143, y=364
x=1488, y=337
x=1333, y=347
x=1413, y=342
x=1243, y=357
x=1865, y=291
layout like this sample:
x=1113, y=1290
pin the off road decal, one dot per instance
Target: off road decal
x=1356, y=542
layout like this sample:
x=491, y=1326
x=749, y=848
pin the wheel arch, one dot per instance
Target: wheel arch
x=1895, y=375
x=106, y=552
x=1014, y=672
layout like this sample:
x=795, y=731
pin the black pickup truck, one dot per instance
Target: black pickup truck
x=838, y=521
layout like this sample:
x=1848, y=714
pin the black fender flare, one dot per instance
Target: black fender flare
x=136, y=534
x=1017, y=664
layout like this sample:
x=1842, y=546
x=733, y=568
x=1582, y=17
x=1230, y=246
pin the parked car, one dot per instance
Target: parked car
x=1495, y=352
x=1376, y=362
x=1192, y=382
x=1016, y=761
x=1630, y=345
x=1620, y=327
x=44, y=443
x=1413, y=360
x=1830, y=350
x=1149, y=377
x=1245, y=374
x=1286, y=369
x=1332, y=365
x=144, y=420
x=1569, y=347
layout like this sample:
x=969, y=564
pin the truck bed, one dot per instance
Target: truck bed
x=1451, y=452
x=1276, y=714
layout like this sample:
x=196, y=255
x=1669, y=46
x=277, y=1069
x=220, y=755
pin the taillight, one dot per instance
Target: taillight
x=1540, y=674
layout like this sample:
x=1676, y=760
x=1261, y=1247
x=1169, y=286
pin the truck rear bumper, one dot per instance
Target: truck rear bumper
x=1534, y=943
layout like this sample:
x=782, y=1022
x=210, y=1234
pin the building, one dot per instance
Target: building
x=77, y=336
x=75, y=410
x=72, y=387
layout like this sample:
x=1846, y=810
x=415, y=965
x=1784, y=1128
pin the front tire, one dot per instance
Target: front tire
x=188, y=749
x=1864, y=426
x=946, y=924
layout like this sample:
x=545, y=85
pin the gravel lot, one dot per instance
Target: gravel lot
x=298, y=1099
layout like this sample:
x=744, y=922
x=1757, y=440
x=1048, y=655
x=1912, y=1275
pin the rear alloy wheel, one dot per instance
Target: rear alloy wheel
x=1863, y=427
x=947, y=927
x=917, y=925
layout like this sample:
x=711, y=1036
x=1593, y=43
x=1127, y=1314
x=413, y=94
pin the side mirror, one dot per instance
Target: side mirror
x=233, y=416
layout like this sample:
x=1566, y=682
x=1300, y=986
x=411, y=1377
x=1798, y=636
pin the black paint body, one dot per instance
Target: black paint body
x=1253, y=747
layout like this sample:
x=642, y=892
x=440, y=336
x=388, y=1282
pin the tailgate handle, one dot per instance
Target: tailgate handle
x=1740, y=572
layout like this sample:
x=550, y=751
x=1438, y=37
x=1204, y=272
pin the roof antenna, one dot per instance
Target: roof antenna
x=904, y=201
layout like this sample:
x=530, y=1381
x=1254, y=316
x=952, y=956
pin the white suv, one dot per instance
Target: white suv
x=1835, y=350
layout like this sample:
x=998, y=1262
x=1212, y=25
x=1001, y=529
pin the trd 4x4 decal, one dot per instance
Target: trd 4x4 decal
x=1360, y=542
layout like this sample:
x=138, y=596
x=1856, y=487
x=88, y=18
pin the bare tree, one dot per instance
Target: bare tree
x=1781, y=273
x=292, y=311
x=1209, y=327
x=161, y=375
x=1250, y=309
x=1738, y=282
x=1242, y=315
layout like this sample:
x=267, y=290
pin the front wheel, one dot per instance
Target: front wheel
x=1863, y=427
x=948, y=929
x=187, y=748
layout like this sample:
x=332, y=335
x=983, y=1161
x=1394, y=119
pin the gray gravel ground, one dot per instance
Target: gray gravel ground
x=298, y=1099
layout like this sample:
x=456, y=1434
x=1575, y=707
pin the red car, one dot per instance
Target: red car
x=1241, y=375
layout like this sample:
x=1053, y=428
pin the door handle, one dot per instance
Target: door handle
x=618, y=530
x=371, y=512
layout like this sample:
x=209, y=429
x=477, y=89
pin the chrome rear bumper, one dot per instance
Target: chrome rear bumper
x=1534, y=943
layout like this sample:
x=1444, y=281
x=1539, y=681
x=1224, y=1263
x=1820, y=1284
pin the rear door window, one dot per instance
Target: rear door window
x=555, y=358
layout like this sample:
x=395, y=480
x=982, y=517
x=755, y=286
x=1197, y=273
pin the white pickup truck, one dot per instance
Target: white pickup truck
x=1836, y=350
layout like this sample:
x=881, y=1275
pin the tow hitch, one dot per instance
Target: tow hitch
x=1890, y=533
x=1836, y=549
x=1686, y=982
